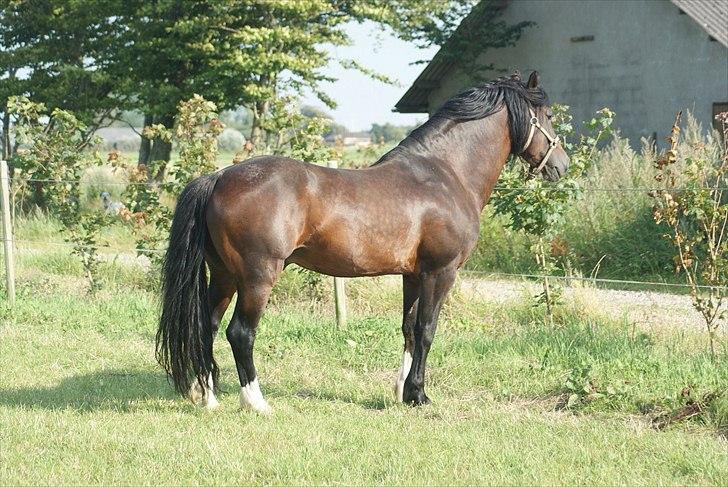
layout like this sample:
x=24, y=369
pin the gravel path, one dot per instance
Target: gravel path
x=643, y=308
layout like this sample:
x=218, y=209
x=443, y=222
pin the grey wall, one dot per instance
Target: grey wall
x=646, y=61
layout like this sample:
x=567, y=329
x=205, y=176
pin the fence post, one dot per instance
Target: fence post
x=339, y=290
x=7, y=232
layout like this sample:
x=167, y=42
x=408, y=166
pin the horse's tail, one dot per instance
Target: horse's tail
x=183, y=347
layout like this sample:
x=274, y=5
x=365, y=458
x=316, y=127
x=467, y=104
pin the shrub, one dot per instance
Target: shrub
x=692, y=205
x=53, y=153
x=539, y=209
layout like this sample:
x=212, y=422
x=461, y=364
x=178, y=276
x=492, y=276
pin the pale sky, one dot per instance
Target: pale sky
x=361, y=100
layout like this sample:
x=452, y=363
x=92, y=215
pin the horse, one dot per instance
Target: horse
x=415, y=212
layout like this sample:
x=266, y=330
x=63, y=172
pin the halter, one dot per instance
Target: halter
x=553, y=140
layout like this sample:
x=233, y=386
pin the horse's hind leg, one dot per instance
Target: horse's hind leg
x=410, y=298
x=220, y=293
x=253, y=292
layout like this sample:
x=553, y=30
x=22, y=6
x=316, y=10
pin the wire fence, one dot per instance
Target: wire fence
x=645, y=189
x=472, y=275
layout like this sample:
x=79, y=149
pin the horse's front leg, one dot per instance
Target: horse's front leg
x=434, y=287
x=410, y=297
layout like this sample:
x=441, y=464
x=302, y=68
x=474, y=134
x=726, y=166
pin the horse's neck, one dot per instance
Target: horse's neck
x=476, y=152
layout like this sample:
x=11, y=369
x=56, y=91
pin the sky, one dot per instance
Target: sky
x=363, y=101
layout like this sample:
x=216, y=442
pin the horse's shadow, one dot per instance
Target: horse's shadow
x=126, y=390
x=372, y=402
x=114, y=389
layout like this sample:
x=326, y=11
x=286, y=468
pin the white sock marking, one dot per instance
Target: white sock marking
x=204, y=397
x=403, y=373
x=252, y=398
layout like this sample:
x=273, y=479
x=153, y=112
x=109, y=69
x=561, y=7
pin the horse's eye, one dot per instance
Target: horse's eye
x=549, y=115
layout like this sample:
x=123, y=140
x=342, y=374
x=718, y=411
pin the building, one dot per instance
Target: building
x=350, y=139
x=645, y=59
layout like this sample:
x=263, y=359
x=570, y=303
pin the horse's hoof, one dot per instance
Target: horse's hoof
x=251, y=398
x=261, y=408
x=210, y=403
x=416, y=398
x=421, y=401
x=203, y=397
x=398, y=390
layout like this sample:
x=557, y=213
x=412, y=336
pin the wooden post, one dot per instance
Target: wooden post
x=339, y=290
x=7, y=232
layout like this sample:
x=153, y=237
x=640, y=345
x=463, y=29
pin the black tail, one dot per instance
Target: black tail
x=184, y=341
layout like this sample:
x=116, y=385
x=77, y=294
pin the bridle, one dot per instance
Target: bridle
x=553, y=140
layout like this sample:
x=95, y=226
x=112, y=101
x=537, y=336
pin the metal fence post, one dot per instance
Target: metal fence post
x=339, y=290
x=7, y=232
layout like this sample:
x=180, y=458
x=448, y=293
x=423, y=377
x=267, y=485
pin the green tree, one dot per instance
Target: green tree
x=97, y=57
x=334, y=129
x=49, y=52
x=389, y=132
x=464, y=29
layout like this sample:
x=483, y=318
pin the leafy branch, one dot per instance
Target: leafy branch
x=696, y=218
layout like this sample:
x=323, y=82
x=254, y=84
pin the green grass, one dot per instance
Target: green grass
x=82, y=400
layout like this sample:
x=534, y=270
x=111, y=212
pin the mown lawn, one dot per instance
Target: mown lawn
x=515, y=402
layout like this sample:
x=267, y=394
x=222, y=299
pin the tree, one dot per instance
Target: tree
x=389, y=132
x=98, y=57
x=48, y=51
x=334, y=129
x=465, y=29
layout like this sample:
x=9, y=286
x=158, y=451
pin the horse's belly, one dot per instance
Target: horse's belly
x=342, y=265
x=353, y=254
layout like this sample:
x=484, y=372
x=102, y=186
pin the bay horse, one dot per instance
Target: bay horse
x=415, y=212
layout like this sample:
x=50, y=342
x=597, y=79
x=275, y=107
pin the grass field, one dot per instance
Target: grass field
x=515, y=401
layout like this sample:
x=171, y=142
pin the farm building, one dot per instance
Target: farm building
x=645, y=59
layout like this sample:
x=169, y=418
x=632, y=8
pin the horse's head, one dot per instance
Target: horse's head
x=543, y=150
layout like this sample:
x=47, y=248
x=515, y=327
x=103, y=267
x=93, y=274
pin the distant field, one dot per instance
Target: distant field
x=82, y=400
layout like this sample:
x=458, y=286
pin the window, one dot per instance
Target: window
x=718, y=108
x=582, y=39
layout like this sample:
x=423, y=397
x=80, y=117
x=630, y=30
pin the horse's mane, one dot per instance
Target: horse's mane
x=484, y=100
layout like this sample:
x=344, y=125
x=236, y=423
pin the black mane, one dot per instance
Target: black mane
x=484, y=100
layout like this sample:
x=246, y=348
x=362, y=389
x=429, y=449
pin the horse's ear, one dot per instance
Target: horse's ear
x=533, y=80
x=516, y=76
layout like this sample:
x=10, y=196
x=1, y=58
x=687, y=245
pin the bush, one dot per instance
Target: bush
x=607, y=231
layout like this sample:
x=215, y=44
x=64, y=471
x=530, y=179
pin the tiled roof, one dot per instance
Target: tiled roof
x=711, y=15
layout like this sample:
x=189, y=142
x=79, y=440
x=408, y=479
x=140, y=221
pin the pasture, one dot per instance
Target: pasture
x=589, y=399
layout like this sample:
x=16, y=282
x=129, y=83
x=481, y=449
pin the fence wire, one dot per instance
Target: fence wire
x=118, y=250
x=495, y=188
x=481, y=274
x=465, y=272
x=595, y=280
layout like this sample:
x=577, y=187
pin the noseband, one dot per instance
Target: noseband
x=553, y=140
